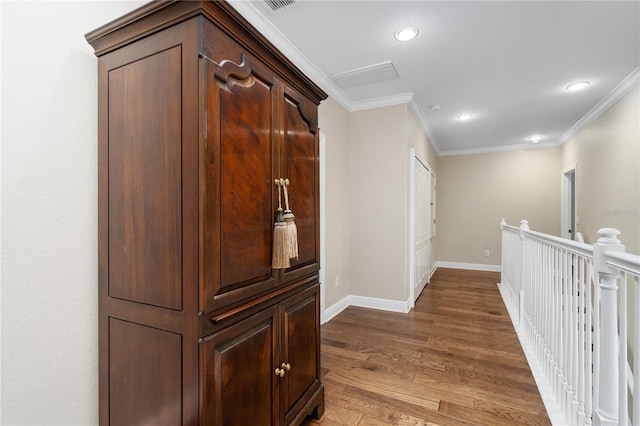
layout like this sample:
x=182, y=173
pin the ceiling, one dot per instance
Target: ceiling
x=506, y=62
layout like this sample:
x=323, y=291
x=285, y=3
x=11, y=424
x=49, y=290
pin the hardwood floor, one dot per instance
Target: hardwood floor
x=453, y=360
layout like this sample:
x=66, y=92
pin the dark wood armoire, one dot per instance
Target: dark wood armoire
x=198, y=116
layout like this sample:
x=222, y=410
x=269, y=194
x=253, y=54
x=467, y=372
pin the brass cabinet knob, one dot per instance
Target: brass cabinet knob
x=286, y=366
x=280, y=372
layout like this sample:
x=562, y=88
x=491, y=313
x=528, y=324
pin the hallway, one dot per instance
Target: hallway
x=453, y=360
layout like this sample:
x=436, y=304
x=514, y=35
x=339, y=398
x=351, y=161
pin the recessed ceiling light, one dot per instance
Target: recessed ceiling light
x=435, y=107
x=578, y=85
x=535, y=138
x=406, y=33
x=465, y=117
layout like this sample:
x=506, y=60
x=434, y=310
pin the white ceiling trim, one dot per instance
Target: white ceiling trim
x=419, y=114
x=518, y=147
x=607, y=102
x=385, y=101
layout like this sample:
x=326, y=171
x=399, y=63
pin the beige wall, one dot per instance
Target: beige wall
x=378, y=159
x=367, y=229
x=476, y=191
x=334, y=123
x=607, y=159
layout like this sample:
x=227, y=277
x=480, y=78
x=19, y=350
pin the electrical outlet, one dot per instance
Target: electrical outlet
x=487, y=253
x=337, y=282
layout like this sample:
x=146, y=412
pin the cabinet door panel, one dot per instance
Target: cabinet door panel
x=301, y=344
x=145, y=191
x=239, y=380
x=238, y=187
x=145, y=375
x=300, y=166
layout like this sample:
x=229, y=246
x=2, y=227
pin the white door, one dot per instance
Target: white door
x=420, y=226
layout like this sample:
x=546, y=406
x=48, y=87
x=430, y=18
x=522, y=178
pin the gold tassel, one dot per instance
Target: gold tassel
x=292, y=229
x=280, y=259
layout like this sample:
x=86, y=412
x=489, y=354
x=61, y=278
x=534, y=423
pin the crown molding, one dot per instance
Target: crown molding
x=384, y=101
x=419, y=114
x=607, y=102
x=494, y=149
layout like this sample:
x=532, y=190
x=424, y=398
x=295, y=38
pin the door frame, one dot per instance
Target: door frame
x=568, y=205
x=323, y=244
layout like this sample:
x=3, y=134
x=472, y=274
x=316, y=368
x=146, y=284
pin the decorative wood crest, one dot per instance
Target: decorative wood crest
x=229, y=74
x=306, y=110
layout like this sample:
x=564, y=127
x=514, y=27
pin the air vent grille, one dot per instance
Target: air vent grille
x=367, y=75
x=278, y=5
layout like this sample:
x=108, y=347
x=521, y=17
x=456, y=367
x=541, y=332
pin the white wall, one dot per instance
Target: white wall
x=49, y=211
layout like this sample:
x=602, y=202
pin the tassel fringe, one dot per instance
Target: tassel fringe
x=292, y=229
x=292, y=237
x=280, y=246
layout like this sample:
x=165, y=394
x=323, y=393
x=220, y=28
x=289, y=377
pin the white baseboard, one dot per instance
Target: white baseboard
x=471, y=266
x=433, y=270
x=366, y=302
x=335, y=309
x=381, y=304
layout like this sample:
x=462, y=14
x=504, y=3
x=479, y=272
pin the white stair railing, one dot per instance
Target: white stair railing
x=572, y=322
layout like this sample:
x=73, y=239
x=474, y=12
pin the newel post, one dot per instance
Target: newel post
x=524, y=226
x=607, y=404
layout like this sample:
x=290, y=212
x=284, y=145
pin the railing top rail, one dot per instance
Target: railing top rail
x=569, y=245
x=510, y=228
x=622, y=261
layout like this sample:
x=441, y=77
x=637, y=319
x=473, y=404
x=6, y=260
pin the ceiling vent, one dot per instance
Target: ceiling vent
x=279, y=5
x=366, y=75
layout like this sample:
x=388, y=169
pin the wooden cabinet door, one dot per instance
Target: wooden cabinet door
x=239, y=384
x=300, y=328
x=300, y=164
x=240, y=164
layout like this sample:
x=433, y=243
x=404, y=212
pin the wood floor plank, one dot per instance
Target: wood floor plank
x=398, y=409
x=453, y=360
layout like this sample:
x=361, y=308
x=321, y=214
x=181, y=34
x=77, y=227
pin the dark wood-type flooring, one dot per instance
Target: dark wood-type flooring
x=453, y=360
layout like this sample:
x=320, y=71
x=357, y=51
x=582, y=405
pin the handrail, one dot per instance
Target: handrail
x=510, y=228
x=573, y=246
x=623, y=261
x=568, y=303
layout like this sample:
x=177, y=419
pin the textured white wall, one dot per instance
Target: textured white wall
x=49, y=211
